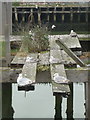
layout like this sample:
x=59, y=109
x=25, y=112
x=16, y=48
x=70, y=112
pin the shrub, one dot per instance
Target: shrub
x=35, y=39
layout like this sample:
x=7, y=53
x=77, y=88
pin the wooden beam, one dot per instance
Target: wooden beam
x=70, y=53
x=44, y=58
x=29, y=68
x=59, y=88
x=56, y=54
x=78, y=74
x=18, y=60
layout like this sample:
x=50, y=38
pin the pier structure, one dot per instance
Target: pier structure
x=61, y=88
x=57, y=13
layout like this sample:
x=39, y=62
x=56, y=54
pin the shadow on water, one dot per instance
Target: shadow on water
x=40, y=101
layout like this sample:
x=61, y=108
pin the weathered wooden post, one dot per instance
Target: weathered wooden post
x=63, y=17
x=70, y=53
x=3, y=19
x=6, y=27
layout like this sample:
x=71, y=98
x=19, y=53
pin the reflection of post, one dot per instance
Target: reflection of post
x=89, y=97
x=70, y=103
x=7, y=110
x=58, y=109
x=0, y=98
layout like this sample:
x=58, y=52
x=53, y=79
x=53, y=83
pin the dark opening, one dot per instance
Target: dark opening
x=58, y=17
x=67, y=17
x=82, y=17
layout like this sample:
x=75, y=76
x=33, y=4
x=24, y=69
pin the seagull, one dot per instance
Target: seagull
x=53, y=26
x=60, y=79
x=29, y=59
x=53, y=60
x=73, y=34
x=30, y=32
x=23, y=81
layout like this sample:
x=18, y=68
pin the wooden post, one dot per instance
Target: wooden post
x=78, y=14
x=62, y=14
x=16, y=16
x=55, y=14
x=70, y=53
x=71, y=14
x=3, y=19
x=87, y=15
x=32, y=18
x=7, y=34
x=39, y=16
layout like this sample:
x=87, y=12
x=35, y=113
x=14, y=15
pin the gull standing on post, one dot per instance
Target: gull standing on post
x=73, y=34
x=53, y=26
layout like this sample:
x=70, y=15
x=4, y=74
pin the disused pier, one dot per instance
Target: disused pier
x=52, y=12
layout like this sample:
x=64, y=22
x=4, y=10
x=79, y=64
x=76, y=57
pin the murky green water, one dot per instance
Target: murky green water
x=41, y=103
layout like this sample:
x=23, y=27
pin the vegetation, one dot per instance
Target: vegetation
x=83, y=39
x=35, y=39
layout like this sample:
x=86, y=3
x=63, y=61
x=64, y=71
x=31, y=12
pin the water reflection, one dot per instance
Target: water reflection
x=41, y=103
x=7, y=109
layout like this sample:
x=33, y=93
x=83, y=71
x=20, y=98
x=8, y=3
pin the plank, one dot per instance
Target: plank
x=70, y=53
x=55, y=56
x=18, y=59
x=70, y=42
x=59, y=88
x=29, y=68
x=78, y=74
x=44, y=58
x=67, y=59
x=53, y=44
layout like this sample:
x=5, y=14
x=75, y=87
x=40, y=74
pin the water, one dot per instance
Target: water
x=36, y=104
x=40, y=103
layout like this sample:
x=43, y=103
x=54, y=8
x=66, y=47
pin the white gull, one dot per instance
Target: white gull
x=22, y=81
x=53, y=60
x=73, y=34
x=60, y=79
